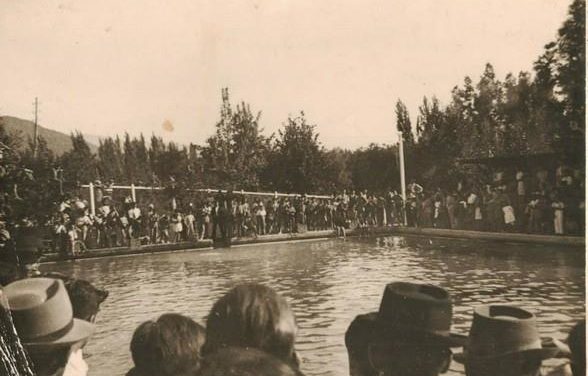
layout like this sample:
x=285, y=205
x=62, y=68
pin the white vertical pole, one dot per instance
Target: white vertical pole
x=402, y=176
x=92, y=199
x=133, y=196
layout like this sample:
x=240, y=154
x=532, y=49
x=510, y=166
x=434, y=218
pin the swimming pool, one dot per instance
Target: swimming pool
x=328, y=283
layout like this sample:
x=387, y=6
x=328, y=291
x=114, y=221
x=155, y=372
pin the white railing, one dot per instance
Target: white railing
x=133, y=188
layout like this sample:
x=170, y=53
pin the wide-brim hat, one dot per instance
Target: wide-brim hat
x=414, y=311
x=502, y=330
x=43, y=314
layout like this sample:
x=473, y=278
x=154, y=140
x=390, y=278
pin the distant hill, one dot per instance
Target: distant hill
x=58, y=142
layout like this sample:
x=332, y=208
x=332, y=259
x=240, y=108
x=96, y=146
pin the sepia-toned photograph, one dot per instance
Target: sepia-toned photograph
x=292, y=188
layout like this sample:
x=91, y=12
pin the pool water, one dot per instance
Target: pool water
x=328, y=283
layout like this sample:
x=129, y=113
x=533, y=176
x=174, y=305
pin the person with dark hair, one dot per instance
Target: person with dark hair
x=575, y=350
x=238, y=361
x=252, y=315
x=357, y=338
x=206, y=221
x=340, y=219
x=43, y=317
x=409, y=335
x=577, y=344
x=84, y=296
x=169, y=346
x=504, y=340
x=163, y=225
x=135, y=219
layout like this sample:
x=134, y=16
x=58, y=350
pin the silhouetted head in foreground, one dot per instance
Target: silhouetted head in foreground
x=409, y=335
x=43, y=317
x=577, y=344
x=357, y=339
x=504, y=340
x=169, y=346
x=238, y=361
x=252, y=315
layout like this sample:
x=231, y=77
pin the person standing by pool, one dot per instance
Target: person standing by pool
x=239, y=215
x=235, y=217
x=190, y=223
x=164, y=228
x=134, y=214
x=260, y=214
x=270, y=216
x=229, y=218
x=340, y=219
x=438, y=211
x=205, y=221
x=389, y=205
x=176, y=226
x=409, y=335
x=451, y=207
x=558, y=215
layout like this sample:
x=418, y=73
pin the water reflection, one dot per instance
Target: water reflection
x=328, y=283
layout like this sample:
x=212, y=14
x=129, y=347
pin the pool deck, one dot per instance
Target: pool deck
x=575, y=243
x=572, y=241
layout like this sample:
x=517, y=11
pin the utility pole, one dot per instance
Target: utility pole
x=402, y=175
x=36, y=129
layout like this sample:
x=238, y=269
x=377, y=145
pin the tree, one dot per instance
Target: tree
x=488, y=122
x=297, y=162
x=571, y=69
x=136, y=160
x=570, y=75
x=156, y=151
x=547, y=111
x=403, y=123
x=28, y=188
x=516, y=111
x=79, y=164
x=438, y=143
x=375, y=168
x=336, y=172
x=429, y=121
x=110, y=161
x=237, y=153
x=40, y=191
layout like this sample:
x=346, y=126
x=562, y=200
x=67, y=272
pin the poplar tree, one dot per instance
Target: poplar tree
x=403, y=124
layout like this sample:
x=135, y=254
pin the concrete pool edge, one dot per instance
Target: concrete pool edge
x=574, y=242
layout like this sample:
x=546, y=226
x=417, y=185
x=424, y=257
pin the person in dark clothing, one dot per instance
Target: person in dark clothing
x=237, y=361
x=504, y=340
x=409, y=335
x=577, y=344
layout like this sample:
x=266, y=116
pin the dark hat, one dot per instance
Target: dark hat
x=412, y=310
x=499, y=330
x=43, y=314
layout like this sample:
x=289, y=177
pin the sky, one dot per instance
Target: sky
x=107, y=67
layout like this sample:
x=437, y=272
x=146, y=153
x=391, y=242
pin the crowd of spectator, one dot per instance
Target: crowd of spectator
x=517, y=201
x=213, y=216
